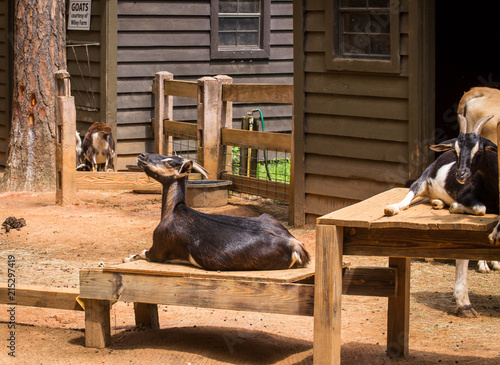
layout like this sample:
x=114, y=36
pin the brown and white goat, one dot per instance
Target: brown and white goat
x=98, y=147
x=213, y=242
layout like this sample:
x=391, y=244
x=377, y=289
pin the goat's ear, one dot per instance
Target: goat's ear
x=492, y=148
x=442, y=147
x=186, y=167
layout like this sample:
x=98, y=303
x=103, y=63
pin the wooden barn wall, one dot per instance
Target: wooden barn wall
x=174, y=36
x=355, y=124
x=4, y=83
x=85, y=80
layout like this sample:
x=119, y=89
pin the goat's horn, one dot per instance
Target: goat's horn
x=479, y=125
x=200, y=169
x=462, y=122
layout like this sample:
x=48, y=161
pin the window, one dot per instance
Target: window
x=240, y=28
x=363, y=35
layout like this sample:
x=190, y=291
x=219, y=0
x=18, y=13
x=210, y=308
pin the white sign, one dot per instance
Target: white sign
x=79, y=14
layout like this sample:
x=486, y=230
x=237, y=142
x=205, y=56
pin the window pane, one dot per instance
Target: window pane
x=249, y=6
x=248, y=24
x=356, y=23
x=227, y=39
x=381, y=44
x=380, y=23
x=226, y=24
x=248, y=39
x=357, y=44
x=379, y=3
x=228, y=6
x=354, y=3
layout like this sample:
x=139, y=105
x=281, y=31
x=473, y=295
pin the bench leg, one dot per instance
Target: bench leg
x=398, y=316
x=328, y=294
x=97, y=323
x=146, y=315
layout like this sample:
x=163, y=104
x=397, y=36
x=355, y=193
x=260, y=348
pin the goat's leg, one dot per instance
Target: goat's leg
x=417, y=189
x=494, y=236
x=495, y=265
x=461, y=292
x=482, y=266
x=141, y=256
x=476, y=209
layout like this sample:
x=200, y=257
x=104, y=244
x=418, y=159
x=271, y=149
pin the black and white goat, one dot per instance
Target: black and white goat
x=98, y=147
x=213, y=242
x=465, y=178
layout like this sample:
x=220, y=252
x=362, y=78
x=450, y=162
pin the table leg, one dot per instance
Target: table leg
x=328, y=294
x=146, y=315
x=97, y=323
x=398, y=316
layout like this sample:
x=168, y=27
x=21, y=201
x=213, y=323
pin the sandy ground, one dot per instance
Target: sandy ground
x=103, y=227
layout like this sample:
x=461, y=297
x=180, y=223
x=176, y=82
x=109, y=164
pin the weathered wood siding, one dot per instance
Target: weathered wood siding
x=355, y=124
x=85, y=80
x=174, y=36
x=4, y=83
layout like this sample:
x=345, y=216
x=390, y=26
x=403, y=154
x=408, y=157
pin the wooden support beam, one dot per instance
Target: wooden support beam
x=328, y=295
x=164, y=109
x=146, y=315
x=258, y=93
x=65, y=141
x=115, y=181
x=97, y=323
x=43, y=297
x=272, y=141
x=398, y=314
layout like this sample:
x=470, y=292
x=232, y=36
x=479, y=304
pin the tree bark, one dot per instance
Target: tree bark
x=39, y=51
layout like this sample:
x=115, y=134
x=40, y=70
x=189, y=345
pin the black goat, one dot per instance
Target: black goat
x=213, y=242
x=465, y=178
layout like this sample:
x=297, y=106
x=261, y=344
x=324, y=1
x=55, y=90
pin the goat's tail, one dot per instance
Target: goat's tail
x=300, y=257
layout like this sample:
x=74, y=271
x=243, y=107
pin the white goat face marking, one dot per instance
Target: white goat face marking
x=457, y=148
x=474, y=150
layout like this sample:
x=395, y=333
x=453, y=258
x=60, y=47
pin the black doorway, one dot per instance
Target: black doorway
x=467, y=49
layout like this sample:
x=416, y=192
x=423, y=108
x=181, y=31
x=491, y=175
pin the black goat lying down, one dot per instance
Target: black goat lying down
x=213, y=242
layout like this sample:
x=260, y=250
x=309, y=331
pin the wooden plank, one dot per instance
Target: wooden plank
x=178, y=8
x=97, y=323
x=251, y=185
x=164, y=39
x=269, y=140
x=398, y=313
x=189, y=271
x=162, y=23
x=42, y=297
x=320, y=205
x=348, y=168
x=368, y=128
x=183, y=128
x=368, y=149
x=258, y=93
x=282, y=298
x=328, y=295
x=146, y=315
x=115, y=181
x=370, y=281
x=405, y=242
x=188, y=89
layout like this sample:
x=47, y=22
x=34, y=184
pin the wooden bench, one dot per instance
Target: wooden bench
x=362, y=229
x=148, y=284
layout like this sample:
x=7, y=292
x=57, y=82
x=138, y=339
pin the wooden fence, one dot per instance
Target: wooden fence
x=213, y=131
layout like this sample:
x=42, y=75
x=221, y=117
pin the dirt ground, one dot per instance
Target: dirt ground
x=106, y=226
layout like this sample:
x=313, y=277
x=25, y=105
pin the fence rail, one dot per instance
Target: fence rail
x=229, y=154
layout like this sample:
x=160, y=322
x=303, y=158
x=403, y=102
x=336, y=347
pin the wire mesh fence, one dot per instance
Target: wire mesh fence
x=258, y=170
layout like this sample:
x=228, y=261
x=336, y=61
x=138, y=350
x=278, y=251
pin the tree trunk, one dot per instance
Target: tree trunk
x=39, y=51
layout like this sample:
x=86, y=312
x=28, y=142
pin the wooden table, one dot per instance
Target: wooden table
x=362, y=229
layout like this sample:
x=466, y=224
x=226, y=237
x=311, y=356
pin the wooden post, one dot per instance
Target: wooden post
x=398, y=313
x=164, y=109
x=97, y=323
x=146, y=315
x=328, y=295
x=225, y=121
x=208, y=125
x=65, y=141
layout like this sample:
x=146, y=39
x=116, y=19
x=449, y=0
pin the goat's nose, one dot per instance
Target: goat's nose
x=461, y=176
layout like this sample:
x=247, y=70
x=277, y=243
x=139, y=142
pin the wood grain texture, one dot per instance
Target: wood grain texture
x=258, y=93
x=115, y=181
x=43, y=297
x=97, y=323
x=146, y=315
x=328, y=295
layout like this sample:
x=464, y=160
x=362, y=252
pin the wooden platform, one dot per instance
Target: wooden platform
x=362, y=229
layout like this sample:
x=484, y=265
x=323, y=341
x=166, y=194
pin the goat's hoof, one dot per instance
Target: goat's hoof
x=437, y=204
x=495, y=265
x=494, y=237
x=391, y=210
x=466, y=311
x=483, y=268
